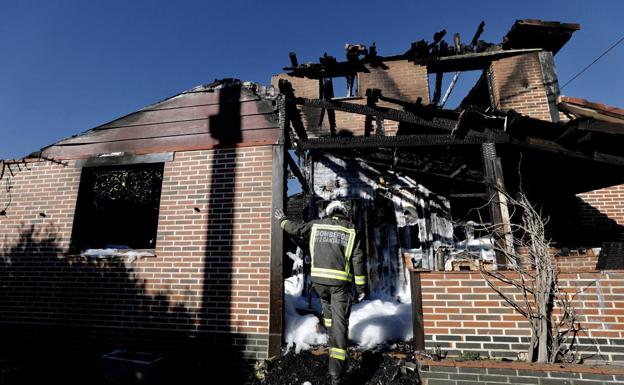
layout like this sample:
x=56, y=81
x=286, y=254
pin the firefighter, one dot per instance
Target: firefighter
x=337, y=262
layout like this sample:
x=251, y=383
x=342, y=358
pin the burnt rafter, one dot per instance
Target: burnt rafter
x=358, y=56
x=423, y=140
x=378, y=112
x=439, y=56
x=297, y=173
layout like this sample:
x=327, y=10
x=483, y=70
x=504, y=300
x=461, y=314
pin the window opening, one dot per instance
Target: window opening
x=117, y=208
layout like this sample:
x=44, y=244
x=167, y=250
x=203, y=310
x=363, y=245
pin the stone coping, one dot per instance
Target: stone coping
x=515, y=365
x=579, y=270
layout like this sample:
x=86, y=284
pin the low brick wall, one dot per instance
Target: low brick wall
x=492, y=372
x=463, y=314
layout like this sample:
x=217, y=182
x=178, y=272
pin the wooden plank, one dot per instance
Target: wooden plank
x=170, y=129
x=398, y=141
x=546, y=145
x=499, y=211
x=418, y=323
x=380, y=112
x=199, y=98
x=531, y=33
x=276, y=305
x=603, y=127
x=163, y=115
x=473, y=61
x=163, y=144
x=125, y=159
x=550, y=24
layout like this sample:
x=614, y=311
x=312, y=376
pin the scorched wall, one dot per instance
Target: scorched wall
x=209, y=280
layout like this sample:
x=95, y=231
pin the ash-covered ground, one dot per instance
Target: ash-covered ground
x=365, y=368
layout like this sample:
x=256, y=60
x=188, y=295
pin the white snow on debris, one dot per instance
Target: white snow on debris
x=128, y=254
x=374, y=322
x=116, y=253
x=301, y=330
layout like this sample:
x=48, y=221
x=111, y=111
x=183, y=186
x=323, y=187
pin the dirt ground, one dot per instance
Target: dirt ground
x=365, y=368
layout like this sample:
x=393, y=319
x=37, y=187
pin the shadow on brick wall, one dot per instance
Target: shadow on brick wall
x=59, y=314
x=595, y=226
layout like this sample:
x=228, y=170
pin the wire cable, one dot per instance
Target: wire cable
x=592, y=63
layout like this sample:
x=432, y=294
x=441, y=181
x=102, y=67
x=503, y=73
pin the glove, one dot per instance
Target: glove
x=279, y=215
x=360, y=293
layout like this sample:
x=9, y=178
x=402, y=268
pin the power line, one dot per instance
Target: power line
x=592, y=63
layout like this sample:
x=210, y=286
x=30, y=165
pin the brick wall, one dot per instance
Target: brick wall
x=518, y=84
x=210, y=276
x=575, y=263
x=495, y=372
x=602, y=212
x=399, y=79
x=463, y=314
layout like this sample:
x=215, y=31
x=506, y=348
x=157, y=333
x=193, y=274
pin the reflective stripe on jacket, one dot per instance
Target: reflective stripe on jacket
x=334, y=248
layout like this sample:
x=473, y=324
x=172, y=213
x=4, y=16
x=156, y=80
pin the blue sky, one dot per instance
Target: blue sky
x=67, y=66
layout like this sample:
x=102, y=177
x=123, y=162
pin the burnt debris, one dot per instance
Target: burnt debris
x=462, y=156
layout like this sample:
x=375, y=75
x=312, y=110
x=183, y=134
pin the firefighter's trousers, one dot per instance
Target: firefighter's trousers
x=336, y=302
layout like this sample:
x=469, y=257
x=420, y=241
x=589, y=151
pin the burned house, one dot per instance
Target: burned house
x=154, y=231
x=424, y=178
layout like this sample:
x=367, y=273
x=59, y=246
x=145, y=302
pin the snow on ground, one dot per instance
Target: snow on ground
x=301, y=330
x=377, y=321
x=372, y=323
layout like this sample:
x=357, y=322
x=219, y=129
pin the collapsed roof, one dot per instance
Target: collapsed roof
x=560, y=151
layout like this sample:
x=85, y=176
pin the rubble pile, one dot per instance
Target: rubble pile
x=366, y=368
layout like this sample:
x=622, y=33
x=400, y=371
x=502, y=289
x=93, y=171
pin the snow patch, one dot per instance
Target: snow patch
x=116, y=253
x=301, y=330
x=374, y=322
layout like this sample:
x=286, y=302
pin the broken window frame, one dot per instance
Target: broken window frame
x=85, y=241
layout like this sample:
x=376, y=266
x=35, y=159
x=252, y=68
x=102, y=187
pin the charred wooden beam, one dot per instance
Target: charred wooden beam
x=438, y=88
x=297, y=173
x=276, y=293
x=398, y=141
x=293, y=59
x=382, y=112
x=477, y=35
x=372, y=96
x=472, y=61
x=466, y=195
x=292, y=115
x=418, y=323
x=550, y=146
x=327, y=93
x=598, y=126
x=499, y=211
